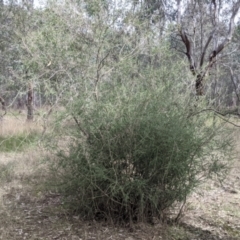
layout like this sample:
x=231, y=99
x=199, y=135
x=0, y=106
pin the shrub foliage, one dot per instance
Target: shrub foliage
x=134, y=152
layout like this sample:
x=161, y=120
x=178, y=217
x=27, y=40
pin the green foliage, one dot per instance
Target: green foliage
x=17, y=142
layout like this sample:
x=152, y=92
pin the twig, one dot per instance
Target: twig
x=180, y=211
x=219, y=115
x=80, y=127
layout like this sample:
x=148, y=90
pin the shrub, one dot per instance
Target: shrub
x=135, y=152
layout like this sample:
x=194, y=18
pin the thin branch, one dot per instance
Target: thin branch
x=80, y=127
x=220, y=115
x=206, y=46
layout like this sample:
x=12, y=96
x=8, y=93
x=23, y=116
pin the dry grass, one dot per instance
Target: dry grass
x=14, y=165
x=16, y=124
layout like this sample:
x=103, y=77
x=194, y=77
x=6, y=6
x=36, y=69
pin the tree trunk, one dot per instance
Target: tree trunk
x=30, y=103
x=199, y=85
x=3, y=107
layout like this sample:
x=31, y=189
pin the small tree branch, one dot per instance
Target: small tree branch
x=80, y=127
x=219, y=114
x=205, y=47
x=188, y=53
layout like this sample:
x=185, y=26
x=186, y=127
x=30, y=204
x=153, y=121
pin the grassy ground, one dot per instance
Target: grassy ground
x=27, y=211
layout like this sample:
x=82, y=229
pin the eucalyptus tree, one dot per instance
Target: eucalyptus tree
x=205, y=28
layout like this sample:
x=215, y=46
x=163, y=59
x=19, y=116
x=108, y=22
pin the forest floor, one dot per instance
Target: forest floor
x=28, y=212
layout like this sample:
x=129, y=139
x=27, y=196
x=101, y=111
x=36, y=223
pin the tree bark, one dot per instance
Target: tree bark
x=30, y=103
x=3, y=107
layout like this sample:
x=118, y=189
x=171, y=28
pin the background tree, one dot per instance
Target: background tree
x=15, y=24
x=204, y=34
